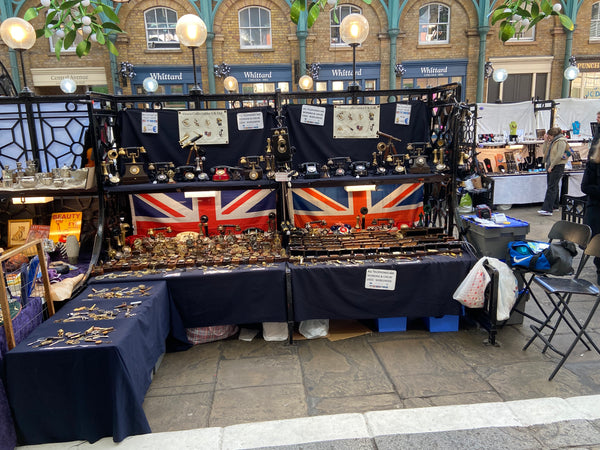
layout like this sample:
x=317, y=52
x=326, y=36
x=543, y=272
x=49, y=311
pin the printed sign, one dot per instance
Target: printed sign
x=204, y=127
x=312, y=115
x=250, y=121
x=355, y=121
x=150, y=122
x=384, y=280
x=402, y=114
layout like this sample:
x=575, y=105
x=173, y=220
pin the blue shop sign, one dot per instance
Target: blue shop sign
x=269, y=73
x=435, y=68
x=167, y=74
x=364, y=71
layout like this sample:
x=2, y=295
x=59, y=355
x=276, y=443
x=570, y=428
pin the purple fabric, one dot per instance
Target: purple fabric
x=23, y=324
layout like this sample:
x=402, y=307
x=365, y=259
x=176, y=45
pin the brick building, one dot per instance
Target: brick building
x=433, y=42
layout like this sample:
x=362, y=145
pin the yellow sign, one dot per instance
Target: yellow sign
x=64, y=224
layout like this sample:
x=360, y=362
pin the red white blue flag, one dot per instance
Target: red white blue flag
x=246, y=208
x=401, y=202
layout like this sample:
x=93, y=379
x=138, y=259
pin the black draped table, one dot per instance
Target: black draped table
x=222, y=296
x=88, y=391
x=423, y=288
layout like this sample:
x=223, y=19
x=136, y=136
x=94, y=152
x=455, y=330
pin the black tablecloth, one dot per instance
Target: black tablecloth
x=88, y=391
x=220, y=296
x=423, y=288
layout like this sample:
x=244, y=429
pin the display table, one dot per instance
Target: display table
x=530, y=187
x=87, y=391
x=222, y=296
x=423, y=288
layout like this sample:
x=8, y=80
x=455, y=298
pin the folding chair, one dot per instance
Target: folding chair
x=559, y=291
x=562, y=230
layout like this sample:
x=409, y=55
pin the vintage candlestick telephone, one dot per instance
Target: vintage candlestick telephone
x=438, y=157
x=270, y=160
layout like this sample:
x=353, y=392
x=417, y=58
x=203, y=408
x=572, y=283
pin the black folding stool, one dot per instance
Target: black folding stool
x=559, y=291
x=562, y=230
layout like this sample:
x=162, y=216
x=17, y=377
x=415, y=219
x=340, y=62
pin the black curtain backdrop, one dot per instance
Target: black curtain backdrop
x=316, y=143
x=312, y=143
x=164, y=146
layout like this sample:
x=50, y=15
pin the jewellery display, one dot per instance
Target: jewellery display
x=93, y=335
x=94, y=313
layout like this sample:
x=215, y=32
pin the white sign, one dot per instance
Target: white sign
x=282, y=176
x=355, y=121
x=313, y=115
x=150, y=122
x=384, y=280
x=204, y=127
x=250, y=121
x=402, y=114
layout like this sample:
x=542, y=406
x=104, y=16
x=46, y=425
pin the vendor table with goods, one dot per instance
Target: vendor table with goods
x=219, y=295
x=531, y=187
x=395, y=287
x=83, y=374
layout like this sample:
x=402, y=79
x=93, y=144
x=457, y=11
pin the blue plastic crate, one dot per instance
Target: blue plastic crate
x=391, y=324
x=449, y=322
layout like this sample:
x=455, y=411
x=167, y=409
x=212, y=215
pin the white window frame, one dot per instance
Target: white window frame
x=595, y=23
x=261, y=27
x=52, y=40
x=165, y=45
x=341, y=11
x=527, y=35
x=435, y=23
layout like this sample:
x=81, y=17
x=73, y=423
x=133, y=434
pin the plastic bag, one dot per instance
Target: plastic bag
x=275, y=331
x=466, y=201
x=314, y=328
x=471, y=292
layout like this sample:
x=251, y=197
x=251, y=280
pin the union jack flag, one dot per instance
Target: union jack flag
x=400, y=202
x=246, y=208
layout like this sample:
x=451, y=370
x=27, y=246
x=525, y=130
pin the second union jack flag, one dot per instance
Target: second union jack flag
x=403, y=203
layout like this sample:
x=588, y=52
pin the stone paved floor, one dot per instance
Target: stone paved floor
x=231, y=382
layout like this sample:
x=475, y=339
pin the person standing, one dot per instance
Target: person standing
x=590, y=185
x=555, y=156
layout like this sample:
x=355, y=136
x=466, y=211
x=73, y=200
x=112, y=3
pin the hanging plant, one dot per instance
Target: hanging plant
x=66, y=19
x=314, y=8
x=516, y=16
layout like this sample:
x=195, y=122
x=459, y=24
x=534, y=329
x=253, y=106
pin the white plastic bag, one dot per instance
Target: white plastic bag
x=472, y=289
x=315, y=328
x=275, y=331
x=471, y=292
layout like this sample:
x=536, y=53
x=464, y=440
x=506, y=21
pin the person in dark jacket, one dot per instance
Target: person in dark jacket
x=555, y=148
x=590, y=185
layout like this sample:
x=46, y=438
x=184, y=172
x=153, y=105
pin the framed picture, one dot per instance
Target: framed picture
x=18, y=231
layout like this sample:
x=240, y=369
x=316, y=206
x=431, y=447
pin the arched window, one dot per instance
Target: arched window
x=160, y=28
x=595, y=22
x=434, y=24
x=335, y=18
x=255, y=27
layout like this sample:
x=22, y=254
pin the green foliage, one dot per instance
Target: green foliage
x=314, y=8
x=67, y=19
x=516, y=16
